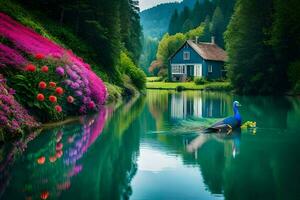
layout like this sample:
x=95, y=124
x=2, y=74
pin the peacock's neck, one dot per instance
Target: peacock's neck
x=237, y=115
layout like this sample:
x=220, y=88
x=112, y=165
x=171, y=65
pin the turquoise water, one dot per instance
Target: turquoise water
x=153, y=148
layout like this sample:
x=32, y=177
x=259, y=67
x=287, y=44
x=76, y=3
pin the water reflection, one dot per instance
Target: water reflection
x=52, y=161
x=153, y=148
x=197, y=105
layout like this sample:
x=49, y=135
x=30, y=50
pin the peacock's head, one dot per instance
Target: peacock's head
x=236, y=104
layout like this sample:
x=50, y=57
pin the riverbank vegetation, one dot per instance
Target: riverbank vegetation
x=157, y=83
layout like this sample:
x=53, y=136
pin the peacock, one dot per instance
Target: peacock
x=228, y=124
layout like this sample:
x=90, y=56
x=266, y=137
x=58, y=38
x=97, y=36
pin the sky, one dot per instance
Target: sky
x=145, y=4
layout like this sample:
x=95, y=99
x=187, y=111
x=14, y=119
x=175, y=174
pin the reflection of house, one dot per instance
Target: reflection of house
x=214, y=108
x=197, y=59
x=183, y=106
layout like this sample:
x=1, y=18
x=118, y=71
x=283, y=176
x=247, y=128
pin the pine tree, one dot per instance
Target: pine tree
x=183, y=17
x=173, y=27
x=217, y=26
x=197, y=14
x=187, y=25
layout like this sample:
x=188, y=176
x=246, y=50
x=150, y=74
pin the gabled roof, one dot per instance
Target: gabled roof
x=208, y=51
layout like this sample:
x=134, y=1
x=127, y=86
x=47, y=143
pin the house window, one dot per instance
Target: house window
x=186, y=55
x=210, y=69
x=178, y=69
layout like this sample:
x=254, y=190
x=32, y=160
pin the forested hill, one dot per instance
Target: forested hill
x=155, y=20
x=106, y=35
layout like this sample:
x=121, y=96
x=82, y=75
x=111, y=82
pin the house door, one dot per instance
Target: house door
x=198, y=70
x=190, y=70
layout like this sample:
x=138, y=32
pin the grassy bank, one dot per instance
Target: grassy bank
x=160, y=85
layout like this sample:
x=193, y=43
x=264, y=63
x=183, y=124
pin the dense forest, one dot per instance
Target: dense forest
x=264, y=49
x=155, y=20
x=214, y=14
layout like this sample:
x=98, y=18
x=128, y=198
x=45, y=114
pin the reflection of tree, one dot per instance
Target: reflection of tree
x=158, y=106
x=268, y=112
x=8, y=154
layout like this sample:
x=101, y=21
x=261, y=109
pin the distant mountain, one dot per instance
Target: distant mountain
x=155, y=21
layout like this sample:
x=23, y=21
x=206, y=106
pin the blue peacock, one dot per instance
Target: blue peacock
x=228, y=124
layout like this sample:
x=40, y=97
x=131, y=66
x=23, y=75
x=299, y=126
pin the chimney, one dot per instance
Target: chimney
x=196, y=39
x=213, y=40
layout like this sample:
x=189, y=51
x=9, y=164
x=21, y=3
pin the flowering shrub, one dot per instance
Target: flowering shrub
x=29, y=41
x=53, y=82
x=13, y=117
x=10, y=57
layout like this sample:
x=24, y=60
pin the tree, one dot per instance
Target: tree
x=251, y=61
x=173, y=25
x=217, y=26
x=185, y=14
x=286, y=41
x=197, y=14
x=187, y=25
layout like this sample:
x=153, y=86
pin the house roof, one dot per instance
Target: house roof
x=208, y=51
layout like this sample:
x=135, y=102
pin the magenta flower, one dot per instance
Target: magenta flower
x=78, y=93
x=60, y=71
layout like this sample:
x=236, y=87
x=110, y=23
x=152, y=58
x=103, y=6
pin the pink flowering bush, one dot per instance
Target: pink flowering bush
x=13, y=117
x=27, y=40
x=50, y=81
x=11, y=57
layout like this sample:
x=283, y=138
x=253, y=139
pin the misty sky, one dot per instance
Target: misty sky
x=144, y=4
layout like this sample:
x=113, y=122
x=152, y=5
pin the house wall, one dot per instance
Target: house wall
x=178, y=59
x=217, y=69
x=194, y=57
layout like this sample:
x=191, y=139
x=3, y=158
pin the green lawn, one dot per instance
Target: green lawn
x=225, y=86
x=154, y=79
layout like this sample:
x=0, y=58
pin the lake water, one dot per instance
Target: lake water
x=153, y=148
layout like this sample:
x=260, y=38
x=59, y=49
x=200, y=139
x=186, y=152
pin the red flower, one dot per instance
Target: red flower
x=42, y=85
x=30, y=68
x=39, y=56
x=52, y=84
x=58, y=108
x=41, y=160
x=40, y=97
x=52, y=159
x=44, y=195
x=59, y=153
x=70, y=99
x=45, y=69
x=59, y=146
x=53, y=99
x=59, y=90
x=91, y=105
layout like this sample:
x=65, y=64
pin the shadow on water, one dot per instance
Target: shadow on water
x=153, y=148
